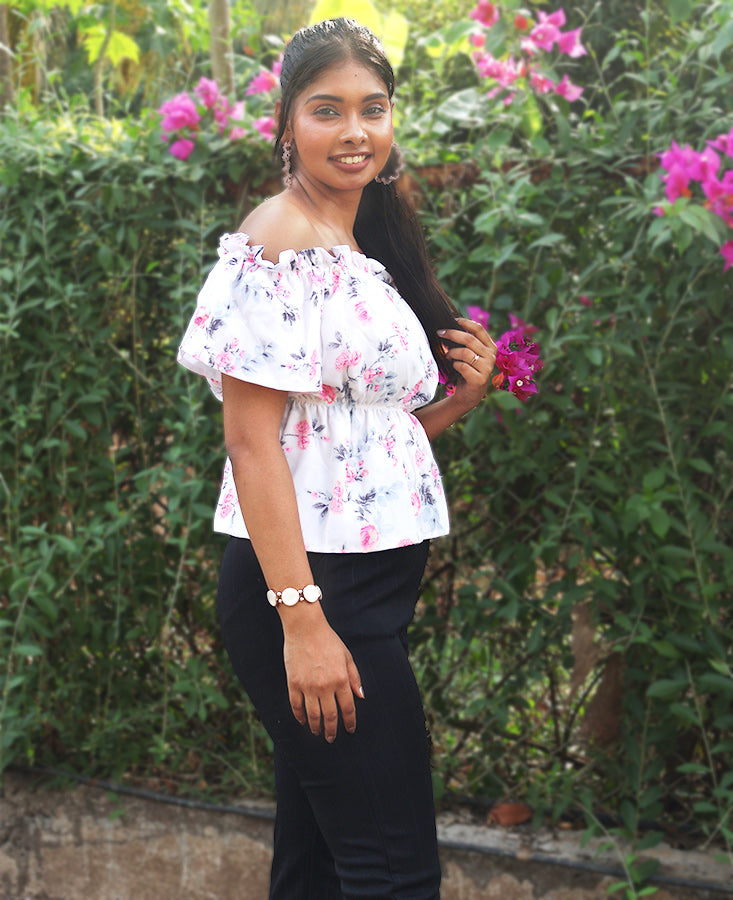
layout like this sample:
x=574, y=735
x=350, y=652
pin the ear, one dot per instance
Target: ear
x=287, y=134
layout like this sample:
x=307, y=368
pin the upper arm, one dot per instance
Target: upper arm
x=252, y=414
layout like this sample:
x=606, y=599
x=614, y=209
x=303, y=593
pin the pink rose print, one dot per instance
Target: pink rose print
x=416, y=504
x=328, y=393
x=345, y=359
x=369, y=536
x=370, y=375
x=302, y=429
x=362, y=312
x=223, y=362
x=337, y=503
x=419, y=456
x=405, y=542
x=201, y=317
x=350, y=474
x=434, y=472
x=400, y=335
x=312, y=365
x=228, y=503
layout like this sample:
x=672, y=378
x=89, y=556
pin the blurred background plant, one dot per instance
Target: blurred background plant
x=574, y=638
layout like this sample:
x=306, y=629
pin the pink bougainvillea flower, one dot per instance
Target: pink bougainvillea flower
x=676, y=184
x=724, y=143
x=521, y=23
x=684, y=158
x=518, y=325
x=565, y=88
x=207, y=90
x=708, y=163
x=486, y=13
x=266, y=126
x=521, y=387
x=716, y=188
x=264, y=82
x=179, y=112
x=544, y=35
x=727, y=254
x=505, y=71
x=569, y=43
x=237, y=133
x=236, y=111
x=556, y=19
x=478, y=315
x=182, y=148
x=477, y=40
x=540, y=84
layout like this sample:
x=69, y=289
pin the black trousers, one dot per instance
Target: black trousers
x=355, y=819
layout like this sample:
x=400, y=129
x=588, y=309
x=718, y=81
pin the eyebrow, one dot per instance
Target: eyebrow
x=335, y=99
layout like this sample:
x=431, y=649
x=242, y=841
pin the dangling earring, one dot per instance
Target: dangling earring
x=287, y=150
x=393, y=167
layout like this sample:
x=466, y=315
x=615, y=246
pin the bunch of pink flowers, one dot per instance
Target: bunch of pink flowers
x=543, y=35
x=265, y=81
x=517, y=356
x=684, y=167
x=183, y=117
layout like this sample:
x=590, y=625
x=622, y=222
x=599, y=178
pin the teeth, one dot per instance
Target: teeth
x=351, y=160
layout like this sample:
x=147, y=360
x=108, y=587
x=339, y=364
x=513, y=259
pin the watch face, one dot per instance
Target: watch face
x=290, y=596
x=312, y=592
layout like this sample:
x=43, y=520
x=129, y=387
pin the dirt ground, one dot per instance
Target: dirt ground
x=85, y=843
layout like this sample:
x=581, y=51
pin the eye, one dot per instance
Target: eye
x=325, y=111
x=377, y=110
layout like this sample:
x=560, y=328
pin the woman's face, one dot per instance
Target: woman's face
x=342, y=128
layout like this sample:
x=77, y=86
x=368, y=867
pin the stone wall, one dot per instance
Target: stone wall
x=88, y=844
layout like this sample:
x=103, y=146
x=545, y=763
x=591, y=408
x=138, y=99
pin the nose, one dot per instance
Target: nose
x=353, y=131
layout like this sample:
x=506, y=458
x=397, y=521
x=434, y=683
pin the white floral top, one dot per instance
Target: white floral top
x=330, y=329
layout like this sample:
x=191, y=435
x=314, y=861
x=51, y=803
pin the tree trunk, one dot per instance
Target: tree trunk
x=6, y=68
x=222, y=57
x=101, y=61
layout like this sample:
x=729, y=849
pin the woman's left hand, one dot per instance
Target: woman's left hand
x=474, y=359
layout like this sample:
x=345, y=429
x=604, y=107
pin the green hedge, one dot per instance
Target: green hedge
x=575, y=638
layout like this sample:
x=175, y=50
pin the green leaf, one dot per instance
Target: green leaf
x=679, y=10
x=666, y=688
x=28, y=650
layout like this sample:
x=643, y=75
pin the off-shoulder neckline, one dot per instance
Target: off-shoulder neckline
x=239, y=240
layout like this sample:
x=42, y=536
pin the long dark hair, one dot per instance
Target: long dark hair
x=386, y=227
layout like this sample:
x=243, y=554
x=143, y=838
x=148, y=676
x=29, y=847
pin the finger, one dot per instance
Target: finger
x=330, y=714
x=479, y=332
x=313, y=713
x=297, y=704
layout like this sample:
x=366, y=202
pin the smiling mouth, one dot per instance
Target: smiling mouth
x=352, y=160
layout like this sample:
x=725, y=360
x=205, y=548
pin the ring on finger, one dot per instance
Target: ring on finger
x=475, y=357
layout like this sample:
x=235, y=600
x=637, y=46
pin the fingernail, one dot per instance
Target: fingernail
x=331, y=738
x=441, y=331
x=361, y=692
x=352, y=729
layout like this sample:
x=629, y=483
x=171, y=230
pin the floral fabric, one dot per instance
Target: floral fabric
x=330, y=329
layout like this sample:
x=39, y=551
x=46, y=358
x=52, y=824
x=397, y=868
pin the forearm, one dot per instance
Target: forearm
x=440, y=415
x=267, y=499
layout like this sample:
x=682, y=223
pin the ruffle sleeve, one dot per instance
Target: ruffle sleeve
x=259, y=321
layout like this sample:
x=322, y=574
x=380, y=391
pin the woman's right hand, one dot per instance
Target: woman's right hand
x=322, y=675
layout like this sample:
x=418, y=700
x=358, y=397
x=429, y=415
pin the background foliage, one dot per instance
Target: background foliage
x=574, y=638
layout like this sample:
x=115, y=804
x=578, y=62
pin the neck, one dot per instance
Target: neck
x=333, y=210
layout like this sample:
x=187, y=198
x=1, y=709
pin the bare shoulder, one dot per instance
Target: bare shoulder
x=277, y=225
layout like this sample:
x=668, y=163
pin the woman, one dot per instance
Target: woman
x=322, y=329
